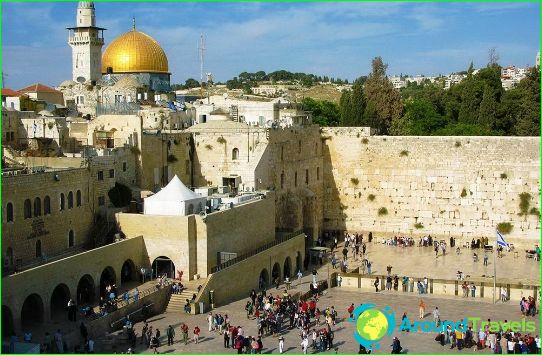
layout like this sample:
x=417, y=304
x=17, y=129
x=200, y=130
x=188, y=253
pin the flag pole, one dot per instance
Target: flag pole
x=495, y=272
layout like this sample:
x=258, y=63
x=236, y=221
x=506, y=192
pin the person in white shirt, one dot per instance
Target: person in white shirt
x=90, y=346
x=210, y=321
x=305, y=344
x=281, y=344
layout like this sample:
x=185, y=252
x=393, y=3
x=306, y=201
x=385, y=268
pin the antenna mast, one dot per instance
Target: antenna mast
x=201, y=49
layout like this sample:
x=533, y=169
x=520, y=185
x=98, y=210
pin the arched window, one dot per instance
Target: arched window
x=190, y=209
x=71, y=239
x=70, y=199
x=27, y=209
x=38, y=249
x=235, y=154
x=9, y=212
x=46, y=205
x=37, y=207
x=78, y=198
x=62, y=202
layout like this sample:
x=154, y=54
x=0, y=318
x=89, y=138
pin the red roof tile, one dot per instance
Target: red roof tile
x=9, y=92
x=38, y=88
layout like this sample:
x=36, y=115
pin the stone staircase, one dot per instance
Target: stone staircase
x=177, y=301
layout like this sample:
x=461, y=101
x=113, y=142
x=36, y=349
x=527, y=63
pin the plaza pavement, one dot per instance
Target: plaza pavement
x=450, y=308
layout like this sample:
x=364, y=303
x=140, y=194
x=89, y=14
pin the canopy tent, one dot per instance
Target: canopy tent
x=174, y=200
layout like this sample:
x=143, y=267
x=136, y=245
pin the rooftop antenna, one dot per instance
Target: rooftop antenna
x=201, y=49
x=133, y=23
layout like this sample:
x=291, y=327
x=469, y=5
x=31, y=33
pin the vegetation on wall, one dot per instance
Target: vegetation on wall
x=505, y=227
x=221, y=140
x=354, y=181
x=120, y=195
x=382, y=211
x=371, y=197
x=171, y=158
x=418, y=225
x=504, y=176
x=524, y=203
x=208, y=147
x=365, y=141
x=464, y=192
x=404, y=153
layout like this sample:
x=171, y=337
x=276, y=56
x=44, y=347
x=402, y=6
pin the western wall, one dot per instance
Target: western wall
x=443, y=186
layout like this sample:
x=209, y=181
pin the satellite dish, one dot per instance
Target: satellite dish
x=81, y=79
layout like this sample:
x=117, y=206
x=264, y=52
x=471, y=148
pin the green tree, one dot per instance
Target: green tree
x=352, y=105
x=381, y=93
x=528, y=119
x=191, y=83
x=487, y=115
x=324, y=113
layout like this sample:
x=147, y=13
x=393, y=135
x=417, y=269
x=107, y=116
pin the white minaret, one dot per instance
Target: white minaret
x=86, y=41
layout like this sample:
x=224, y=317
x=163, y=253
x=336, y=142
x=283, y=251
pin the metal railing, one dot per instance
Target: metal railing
x=253, y=252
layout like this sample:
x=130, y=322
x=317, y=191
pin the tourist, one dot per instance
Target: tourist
x=84, y=332
x=210, y=321
x=473, y=289
x=464, y=288
x=197, y=331
x=154, y=344
x=504, y=295
x=27, y=337
x=486, y=258
x=388, y=269
x=59, y=342
x=72, y=310
x=388, y=283
x=170, y=332
x=376, y=283
x=304, y=344
x=339, y=280
x=436, y=316
x=425, y=285
x=136, y=294
x=226, y=338
x=369, y=267
x=396, y=346
x=184, y=329
x=144, y=333
x=314, y=273
x=422, y=307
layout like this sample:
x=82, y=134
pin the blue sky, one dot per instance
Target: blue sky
x=334, y=39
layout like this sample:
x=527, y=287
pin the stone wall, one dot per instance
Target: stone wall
x=443, y=186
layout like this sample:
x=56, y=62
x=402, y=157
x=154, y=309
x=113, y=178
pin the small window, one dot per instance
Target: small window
x=71, y=239
x=9, y=212
x=282, y=180
x=37, y=207
x=78, y=198
x=62, y=202
x=306, y=176
x=235, y=154
x=318, y=173
x=101, y=200
x=295, y=179
x=38, y=249
x=124, y=166
x=27, y=209
x=111, y=173
x=100, y=175
x=70, y=199
x=46, y=205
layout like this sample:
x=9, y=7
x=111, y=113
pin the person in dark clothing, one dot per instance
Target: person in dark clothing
x=396, y=346
x=84, y=331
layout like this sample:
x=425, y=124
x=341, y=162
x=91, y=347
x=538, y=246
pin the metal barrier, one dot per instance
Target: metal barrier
x=255, y=251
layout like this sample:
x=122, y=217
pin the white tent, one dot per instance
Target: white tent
x=174, y=200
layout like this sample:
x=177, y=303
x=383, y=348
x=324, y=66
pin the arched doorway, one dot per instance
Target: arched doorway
x=7, y=322
x=298, y=262
x=163, y=265
x=85, y=290
x=128, y=271
x=263, y=280
x=32, y=311
x=276, y=272
x=287, y=269
x=108, y=277
x=59, y=301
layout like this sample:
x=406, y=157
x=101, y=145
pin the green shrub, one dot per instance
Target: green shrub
x=354, y=181
x=208, y=147
x=534, y=211
x=404, y=153
x=464, y=192
x=505, y=227
x=504, y=176
x=524, y=203
x=221, y=140
x=365, y=141
x=457, y=144
x=120, y=195
x=171, y=158
x=371, y=197
x=382, y=211
x=418, y=225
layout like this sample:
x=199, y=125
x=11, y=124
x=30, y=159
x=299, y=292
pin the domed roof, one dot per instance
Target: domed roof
x=134, y=52
x=128, y=81
x=67, y=83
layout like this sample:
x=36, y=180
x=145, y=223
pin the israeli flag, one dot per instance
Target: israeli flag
x=501, y=241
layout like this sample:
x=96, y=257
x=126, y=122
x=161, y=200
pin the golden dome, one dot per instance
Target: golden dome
x=134, y=52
